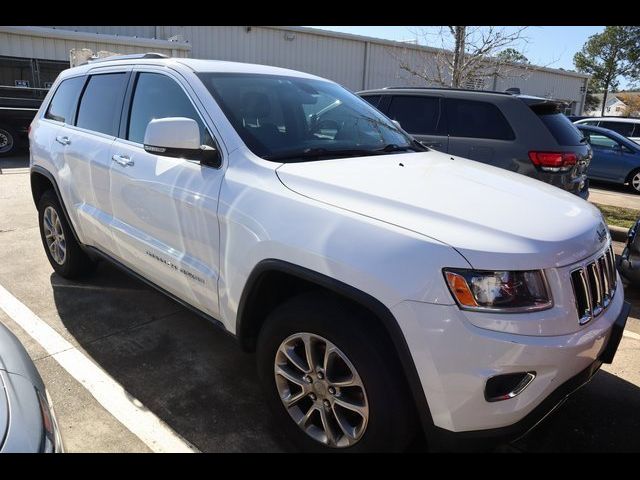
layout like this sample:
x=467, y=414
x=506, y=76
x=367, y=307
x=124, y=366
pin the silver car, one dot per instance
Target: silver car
x=27, y=421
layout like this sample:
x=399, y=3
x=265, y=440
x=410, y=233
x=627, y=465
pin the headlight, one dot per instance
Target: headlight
x=508, y=292
x=51, y=443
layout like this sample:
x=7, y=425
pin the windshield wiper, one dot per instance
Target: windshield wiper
x=315, y=153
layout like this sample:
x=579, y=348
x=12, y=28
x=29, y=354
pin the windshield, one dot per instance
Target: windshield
x=284, y=118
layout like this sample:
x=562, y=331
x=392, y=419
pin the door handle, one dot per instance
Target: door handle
x=63, y=140
x=122, y=160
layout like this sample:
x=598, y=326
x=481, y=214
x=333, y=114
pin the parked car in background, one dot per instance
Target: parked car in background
x=627, y=127
x=18, y=105
x=629, y=263
x=575, y=118
x=27, y=421
x=523, y=134
x=615, y=158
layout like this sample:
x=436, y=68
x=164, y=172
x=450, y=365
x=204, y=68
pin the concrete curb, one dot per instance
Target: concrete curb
x=618, y=234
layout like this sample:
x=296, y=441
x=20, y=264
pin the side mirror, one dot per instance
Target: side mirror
x=179, y=137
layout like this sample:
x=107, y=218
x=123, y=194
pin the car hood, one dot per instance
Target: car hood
x=495, y=218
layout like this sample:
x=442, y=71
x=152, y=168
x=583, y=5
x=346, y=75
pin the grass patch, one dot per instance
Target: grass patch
x=618, y=216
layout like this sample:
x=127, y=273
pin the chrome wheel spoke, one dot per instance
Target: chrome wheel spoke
x=321, y=390
x=54, y=235
x=361, y=410
x=327, y=427
x=308, y=350
x=291, y=377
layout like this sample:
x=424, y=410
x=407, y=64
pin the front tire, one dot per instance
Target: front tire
x=331, y=379
x=63, y=251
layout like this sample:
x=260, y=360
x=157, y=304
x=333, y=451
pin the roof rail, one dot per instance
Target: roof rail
x=132, y=56
x=443, y=88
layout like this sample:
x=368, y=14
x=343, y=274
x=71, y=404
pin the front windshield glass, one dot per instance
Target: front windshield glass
x=284, y=118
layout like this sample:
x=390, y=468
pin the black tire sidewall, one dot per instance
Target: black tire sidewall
x=390, y=422
x=12, y=133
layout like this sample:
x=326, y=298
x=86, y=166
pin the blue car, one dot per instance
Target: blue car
x=615, y=158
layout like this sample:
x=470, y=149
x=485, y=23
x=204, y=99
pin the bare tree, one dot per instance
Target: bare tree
x=466, y=54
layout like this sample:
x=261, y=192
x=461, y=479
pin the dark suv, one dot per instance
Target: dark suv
x=524, y=134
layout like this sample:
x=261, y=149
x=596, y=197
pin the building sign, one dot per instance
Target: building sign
x=22, y=83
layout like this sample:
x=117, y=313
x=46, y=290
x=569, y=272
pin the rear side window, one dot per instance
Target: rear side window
x=372, y=99
x=623, y=128
x=158, y=96
x=64, y=101
x=598, y=140
x=416, y=114
x=474, y=119
x=565, y=132
x=101, y=103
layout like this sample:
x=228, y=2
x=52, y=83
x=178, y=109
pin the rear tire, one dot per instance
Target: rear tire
x=8, y=141
x=63, y=251
x=360, y=352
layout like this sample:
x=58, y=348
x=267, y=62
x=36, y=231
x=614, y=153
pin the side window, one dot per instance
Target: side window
x=372, y=99
x=473, y=119
x=158, y=96
x=64, y=101
x=101, y=103
x=602, y=141
x=623, y=128
x=419, y=115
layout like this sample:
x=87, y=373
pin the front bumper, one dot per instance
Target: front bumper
x=454, y=359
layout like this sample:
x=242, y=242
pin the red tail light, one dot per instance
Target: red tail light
x=553, y=161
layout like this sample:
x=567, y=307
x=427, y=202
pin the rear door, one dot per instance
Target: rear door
x=165, y=208
x=478, y=130
x=421, y=116
x=88, y=153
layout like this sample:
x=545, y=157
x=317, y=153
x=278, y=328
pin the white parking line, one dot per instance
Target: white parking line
x=629, y=334
x=140, y=421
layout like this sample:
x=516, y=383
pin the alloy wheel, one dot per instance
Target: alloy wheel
x=321, y=390
x=635, y=182
x=54, y=235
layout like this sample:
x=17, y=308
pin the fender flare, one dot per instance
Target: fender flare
x=365, y=300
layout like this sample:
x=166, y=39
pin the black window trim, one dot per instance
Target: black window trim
x=125, y=117
x=43, y=115
x=88, y=75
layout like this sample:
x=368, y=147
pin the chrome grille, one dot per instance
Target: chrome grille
x=594, y=286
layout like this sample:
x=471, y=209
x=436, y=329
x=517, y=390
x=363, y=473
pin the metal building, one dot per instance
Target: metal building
x=34, y=55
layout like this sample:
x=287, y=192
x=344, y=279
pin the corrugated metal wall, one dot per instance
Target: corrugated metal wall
x=339, y=58
x=335, y=58
x=27, y=46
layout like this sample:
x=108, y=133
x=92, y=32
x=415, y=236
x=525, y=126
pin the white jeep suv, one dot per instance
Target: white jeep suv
x=386, y=288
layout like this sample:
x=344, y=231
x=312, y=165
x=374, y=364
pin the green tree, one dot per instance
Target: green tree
x=511, y=55
x=609, y=55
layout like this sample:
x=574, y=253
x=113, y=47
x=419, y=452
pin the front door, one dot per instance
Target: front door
x=165, y=208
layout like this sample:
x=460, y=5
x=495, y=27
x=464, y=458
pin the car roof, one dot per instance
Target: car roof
x=613, y=119
x=195, y=65
x=610, y=133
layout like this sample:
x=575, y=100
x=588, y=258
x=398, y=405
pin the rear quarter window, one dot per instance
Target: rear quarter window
x=65, y=99
x=565, y=132
x=476, y=119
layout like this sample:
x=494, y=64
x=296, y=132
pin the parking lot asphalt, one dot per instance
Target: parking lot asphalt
x=194, y=378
